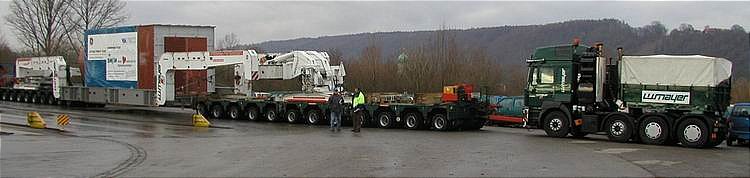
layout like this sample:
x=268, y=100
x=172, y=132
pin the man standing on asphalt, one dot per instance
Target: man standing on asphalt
x=335, y=102
x=358, y=104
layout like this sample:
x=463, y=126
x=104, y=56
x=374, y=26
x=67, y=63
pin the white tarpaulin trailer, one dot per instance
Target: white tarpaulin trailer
x=680, y=70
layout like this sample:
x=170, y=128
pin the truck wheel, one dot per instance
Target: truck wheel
x=48, y=99
x=413, y=121
x=440, y=122
x=217, y=111
x=693, y=133
x=619, y=128
x=251, y=113
x=386, y=119
x=201, y=109
x=233, y=112
x=39, y=99
x=654, y=130
x=271, y=115
x=292, y=116
x=556, y=124
x=313, y=117
x=33, y=98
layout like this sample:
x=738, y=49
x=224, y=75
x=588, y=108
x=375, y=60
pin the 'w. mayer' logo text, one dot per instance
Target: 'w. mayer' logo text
x=669, y=97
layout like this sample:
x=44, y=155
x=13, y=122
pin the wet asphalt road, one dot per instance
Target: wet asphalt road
x=137, y=142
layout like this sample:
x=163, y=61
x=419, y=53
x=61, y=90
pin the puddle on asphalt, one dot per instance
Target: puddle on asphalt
x=617, y=150
x=657, y=162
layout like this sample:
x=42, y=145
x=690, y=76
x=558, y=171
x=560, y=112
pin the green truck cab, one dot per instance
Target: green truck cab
x=659, y=99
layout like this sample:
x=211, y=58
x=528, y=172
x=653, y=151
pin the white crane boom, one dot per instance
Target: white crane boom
x=313, y=67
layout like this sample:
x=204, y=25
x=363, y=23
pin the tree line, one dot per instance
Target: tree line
x=56, y=27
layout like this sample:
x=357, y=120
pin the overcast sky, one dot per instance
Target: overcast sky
x=256, y=22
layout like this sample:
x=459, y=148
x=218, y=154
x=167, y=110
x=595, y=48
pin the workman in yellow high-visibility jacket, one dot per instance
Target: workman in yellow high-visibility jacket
x=358, y=105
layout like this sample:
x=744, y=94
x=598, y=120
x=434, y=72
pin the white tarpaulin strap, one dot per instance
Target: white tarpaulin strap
x=693, y=70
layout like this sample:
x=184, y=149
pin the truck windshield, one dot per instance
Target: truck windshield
x=547, y=75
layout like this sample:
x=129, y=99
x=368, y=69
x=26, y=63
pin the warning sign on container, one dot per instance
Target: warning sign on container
x=119, y=50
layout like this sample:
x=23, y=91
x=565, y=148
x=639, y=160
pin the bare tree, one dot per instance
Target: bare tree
x=39, y=24
x=93, y=14
x=229, y=41
x=6, y=54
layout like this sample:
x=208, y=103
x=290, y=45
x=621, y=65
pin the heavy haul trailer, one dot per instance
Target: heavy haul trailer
x=659, y=99
x=291, y=107
x=318, y=79
x=456, y=110
x=383, y=110
x=38, y=80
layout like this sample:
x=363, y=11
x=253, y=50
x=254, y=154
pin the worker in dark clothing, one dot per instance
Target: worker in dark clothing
x=358, y=105
x=336, y=102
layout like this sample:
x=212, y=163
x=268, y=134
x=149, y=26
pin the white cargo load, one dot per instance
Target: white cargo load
x=680, y=70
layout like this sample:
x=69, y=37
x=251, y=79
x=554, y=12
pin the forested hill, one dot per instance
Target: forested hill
x=510, y=45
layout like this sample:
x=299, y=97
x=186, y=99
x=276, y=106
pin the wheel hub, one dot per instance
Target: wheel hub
x=692, y=133
x=617, y=128
x=653, y=130
x=555, y=124
x=216, y=113
x=271, y=116
x=439, y=123
x=384, y=120
x=251, y=115
x=291, y=117
x=411, y=121
x=233, y=114
x=313, y=118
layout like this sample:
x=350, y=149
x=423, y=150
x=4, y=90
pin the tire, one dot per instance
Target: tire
x=313, y=117
x=201, y=109
x=556, y=124
x=49, y=100
x=619, y=128
x=292, y=116
x=38, y=99
x=386, y=119
x=654, y=130
x=33, y=99
x=217, y=112
x=271, y=115
x=413, y=121
x=251, y=113
x=233, y=112
x=692, y=133
x=440, y=122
